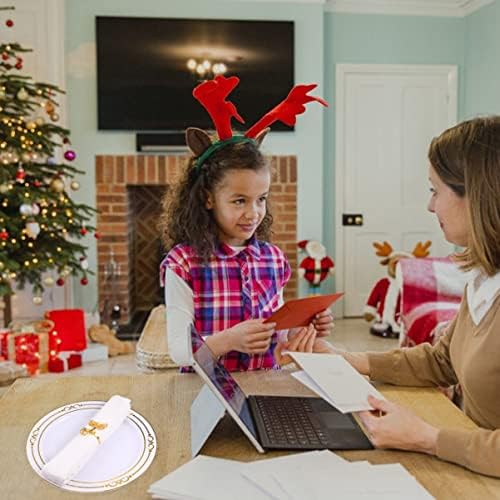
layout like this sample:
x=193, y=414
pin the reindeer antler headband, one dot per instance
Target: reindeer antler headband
x=212, y=95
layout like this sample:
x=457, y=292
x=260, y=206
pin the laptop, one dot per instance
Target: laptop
x=277, y=422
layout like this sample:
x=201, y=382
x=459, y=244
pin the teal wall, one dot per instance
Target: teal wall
x=323, y=39
x=380, y=39
x=482, y=61
x=306, y=141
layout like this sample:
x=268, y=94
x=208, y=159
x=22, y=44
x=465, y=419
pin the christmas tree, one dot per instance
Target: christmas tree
x=40, y=224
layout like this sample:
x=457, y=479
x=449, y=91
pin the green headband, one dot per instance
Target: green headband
x=218, y=145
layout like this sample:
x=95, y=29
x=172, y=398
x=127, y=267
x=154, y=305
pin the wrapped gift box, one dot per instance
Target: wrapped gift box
x=64, y=361
x=29, y=345
x=70, y=327
x=95, y=352
x=10, y=371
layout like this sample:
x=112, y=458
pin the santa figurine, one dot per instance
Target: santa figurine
x=383, y=304
x=317, y=266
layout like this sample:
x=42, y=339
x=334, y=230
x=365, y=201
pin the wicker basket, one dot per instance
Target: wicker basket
x=152, y=348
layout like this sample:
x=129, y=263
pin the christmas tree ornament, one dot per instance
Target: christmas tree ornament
x=97, y=235
x=4, y=235
x=54, y=117
x=48, y=281
x=9, y=23
x=84, y=281
x=69, y=155
x=37, y=300
x=57, y=185
x=35, y=209
x=75, y=185
x=31, y=125
x=32, y=229
x=83, y=231
x=20, y=175
x=84, y=263
x=39, y=121
x=60, y=282
x=37, y=183
x=26, y=157
x=49, y=107
x=4, y=188
x=19, y=64
x=2, y=93
x=26, y=209
x=22, y=95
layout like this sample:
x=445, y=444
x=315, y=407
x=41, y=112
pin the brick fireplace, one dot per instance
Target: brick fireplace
x=128, y=190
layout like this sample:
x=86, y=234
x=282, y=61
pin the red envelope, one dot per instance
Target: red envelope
x=300, y=312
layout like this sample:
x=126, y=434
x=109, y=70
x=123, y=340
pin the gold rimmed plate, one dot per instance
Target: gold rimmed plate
x=121, y=459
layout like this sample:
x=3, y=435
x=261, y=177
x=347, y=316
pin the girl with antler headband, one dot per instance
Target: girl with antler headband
x=464, y=174
x=221, y=274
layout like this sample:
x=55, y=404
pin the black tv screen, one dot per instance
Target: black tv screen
x=144, y=82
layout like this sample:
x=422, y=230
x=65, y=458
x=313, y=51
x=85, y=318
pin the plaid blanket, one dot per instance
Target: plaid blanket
x=431, y=291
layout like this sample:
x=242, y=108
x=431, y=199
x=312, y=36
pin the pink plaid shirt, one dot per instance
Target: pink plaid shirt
x=235, y=285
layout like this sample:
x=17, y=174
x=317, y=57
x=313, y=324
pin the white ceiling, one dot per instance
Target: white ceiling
x=452, y=8
x=447, y=8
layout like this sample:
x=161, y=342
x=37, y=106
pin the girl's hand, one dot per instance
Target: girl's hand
x=323, y=323
x=251, y=337
x=398, y=428
x=302, y=341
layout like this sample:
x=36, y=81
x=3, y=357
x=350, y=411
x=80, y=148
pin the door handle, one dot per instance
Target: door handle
x=352, y=219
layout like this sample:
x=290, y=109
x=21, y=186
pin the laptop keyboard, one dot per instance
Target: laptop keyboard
x=287, y=422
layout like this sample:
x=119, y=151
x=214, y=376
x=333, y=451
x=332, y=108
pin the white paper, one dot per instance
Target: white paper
x=344, y=387
x=208, y=479
x=315, y=475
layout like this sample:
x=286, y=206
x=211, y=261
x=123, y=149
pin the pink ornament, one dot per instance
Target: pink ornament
x=70, y=155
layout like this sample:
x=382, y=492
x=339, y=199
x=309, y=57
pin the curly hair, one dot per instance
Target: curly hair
x=185, y=218
x=466, y=158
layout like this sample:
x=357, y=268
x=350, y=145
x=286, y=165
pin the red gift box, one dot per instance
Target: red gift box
x=70, y=328
x=29, y=345
x=65, y=361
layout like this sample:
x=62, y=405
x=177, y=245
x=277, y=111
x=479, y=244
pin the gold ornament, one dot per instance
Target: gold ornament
x=22, y=95
x=39, y=121
x=49, y=107
x=75, y=185
x=37, y=300
x=57, y=185
x=48, y=281
x=4, y=188
x=54, y=117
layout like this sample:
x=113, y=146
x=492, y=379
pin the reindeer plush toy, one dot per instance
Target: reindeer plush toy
x=383, y=304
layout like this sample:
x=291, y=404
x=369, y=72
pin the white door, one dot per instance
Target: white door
x=386, y=118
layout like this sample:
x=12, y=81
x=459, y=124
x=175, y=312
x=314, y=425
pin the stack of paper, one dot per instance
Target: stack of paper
x=315, y=475
x=335, y=380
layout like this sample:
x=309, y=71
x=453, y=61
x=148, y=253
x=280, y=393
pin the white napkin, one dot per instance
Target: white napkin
x=71, y=459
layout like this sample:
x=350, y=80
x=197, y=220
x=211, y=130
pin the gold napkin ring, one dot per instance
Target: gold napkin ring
x=91, y=428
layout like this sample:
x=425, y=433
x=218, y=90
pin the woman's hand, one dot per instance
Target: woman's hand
x=302, y=341
x=323, y=323
x=251, y=337
x=398, y=428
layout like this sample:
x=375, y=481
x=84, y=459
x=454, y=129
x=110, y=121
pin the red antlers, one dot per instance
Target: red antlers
x=287, y=110
x=212, y=96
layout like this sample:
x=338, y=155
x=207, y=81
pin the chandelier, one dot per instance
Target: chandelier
x=205, y=69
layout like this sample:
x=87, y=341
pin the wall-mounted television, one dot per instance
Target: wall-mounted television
x=143, y=79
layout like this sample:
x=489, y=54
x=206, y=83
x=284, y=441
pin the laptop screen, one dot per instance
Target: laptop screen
x=222, y=381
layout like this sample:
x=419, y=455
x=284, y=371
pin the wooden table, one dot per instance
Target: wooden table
x=164, y=400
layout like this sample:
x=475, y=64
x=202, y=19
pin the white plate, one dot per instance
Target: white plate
x=123, y=457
